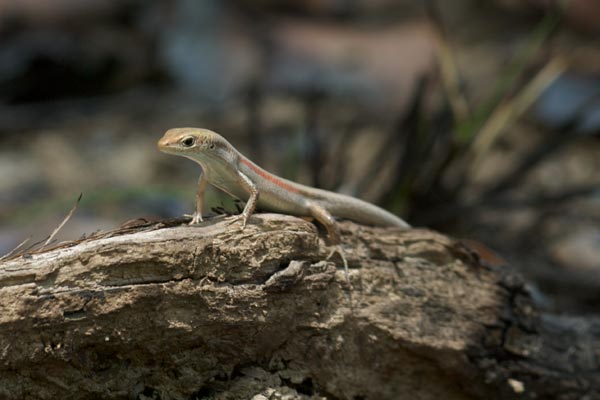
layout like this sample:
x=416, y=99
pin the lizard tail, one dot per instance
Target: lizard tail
x=365, y=213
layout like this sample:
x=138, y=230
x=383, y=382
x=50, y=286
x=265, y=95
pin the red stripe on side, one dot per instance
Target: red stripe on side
x=269, y=177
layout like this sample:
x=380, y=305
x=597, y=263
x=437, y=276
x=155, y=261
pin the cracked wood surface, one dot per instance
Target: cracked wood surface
x=214, y=312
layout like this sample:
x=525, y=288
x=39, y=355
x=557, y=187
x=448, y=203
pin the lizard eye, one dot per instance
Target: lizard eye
x=188, y=141
x=211, y=146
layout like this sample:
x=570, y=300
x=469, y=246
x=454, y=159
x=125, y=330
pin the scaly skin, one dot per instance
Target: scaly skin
x=227, y=169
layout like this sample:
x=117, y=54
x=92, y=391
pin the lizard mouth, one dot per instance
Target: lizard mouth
x=164, y=149
x=166, y=146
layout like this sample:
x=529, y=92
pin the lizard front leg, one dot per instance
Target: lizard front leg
x=252, y=190
x=200, y=189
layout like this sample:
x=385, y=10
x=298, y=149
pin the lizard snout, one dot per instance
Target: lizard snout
x=164, y=143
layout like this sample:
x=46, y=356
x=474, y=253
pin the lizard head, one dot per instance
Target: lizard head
x=197, y=144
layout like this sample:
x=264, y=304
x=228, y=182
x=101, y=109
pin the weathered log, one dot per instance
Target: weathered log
x=214, y=312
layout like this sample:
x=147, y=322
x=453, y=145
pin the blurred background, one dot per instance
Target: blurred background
x=480, y=119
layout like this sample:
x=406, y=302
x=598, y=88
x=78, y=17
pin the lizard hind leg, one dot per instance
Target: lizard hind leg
x=323, y=216
x=319, y=213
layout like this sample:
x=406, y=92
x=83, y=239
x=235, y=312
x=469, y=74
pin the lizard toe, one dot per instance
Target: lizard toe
x=196, y=218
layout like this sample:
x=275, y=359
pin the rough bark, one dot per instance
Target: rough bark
x=214, y=312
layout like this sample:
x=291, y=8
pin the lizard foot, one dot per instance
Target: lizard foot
x=196, y=218
x=338, y=249
x=242, y=218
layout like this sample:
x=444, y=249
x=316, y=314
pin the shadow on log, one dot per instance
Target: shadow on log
x=214, y=312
